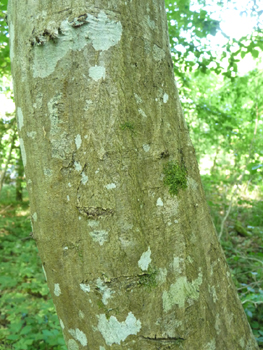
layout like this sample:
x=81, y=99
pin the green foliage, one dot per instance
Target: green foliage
x=175, y=177
x=28, y=320
x=4, y=47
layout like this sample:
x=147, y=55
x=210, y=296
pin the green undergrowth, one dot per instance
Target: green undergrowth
x=28, y=320
x=242, y=241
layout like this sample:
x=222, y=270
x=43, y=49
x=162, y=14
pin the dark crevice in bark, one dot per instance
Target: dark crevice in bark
x=168, y=339
x=92, y=212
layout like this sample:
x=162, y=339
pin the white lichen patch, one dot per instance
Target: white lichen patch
x=105, y=291
x=20, y=118
x=110, y=186
x=161, y=276
x=86, y=108
x=114, y=331
x=77, y=166
x=99, y=236
x=57, y=290
x=212, y=291
x=31, y=134
x=102, y=348
x=78, y=141
x=146, y=148
x=145, y=260
x=61, y=324
x=48, y=172
x=159, y=202
x=217, y=324
x=180, y=292
x=78, y=335
x=93, y=223
x=34, y=217
x=72, y=345
x=211, y=345
x=84, y=178
x=81, y=314
x=165, y=98
x=137, y=98
x=23, y=151
x=102, y=32
x=85, y=287
x=158, y=53
x=97, y=73
x=177, y=265
x=68, y=199
x=142, y=113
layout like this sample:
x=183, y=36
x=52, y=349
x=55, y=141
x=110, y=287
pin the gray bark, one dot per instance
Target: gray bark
x=129, y=265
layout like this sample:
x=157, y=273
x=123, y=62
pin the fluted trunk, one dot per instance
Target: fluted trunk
x=119, y=215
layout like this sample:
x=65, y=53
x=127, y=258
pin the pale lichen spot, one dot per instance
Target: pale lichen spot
x=34, y=216
x=93, y=223
x=142, y=113
x=145, y=260
x=72, y=345
x=102, y=347
x=105, y=291
x=69, y=184
x=20, y=118
x=61, y=324
x=57, y=290
x=23, y=151
x=65, y=248
x=77, y=166
x=84, y=178
x=110, y=186
x=99, y=236
x=180, y=292
x=81, y=314
x=68, y=198
x=161, y=276
x=211, y=345
x=78, y=141
x=48, y=172
x=85, y=287
x=114, y=331
x=86, y=108
x=159, y=202
x=31, y=134
x=217, y=324
x=77, y=334
x=97, y=73
x=146, y=148
x=158, y=53
x=137, y=98
x=192, y=184
x=165, y=98
x=176, y=221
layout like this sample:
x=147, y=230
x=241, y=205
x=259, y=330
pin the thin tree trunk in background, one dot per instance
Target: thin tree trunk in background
x=19, y=178
x=2, y=179
x=104, y=144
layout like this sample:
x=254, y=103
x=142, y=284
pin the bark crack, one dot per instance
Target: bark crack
x=164, y=340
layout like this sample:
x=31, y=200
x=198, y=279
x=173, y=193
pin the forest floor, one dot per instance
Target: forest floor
x=28, y=319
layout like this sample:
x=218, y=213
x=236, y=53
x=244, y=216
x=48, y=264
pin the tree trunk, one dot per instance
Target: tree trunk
x=119, y=215
x=19, y=178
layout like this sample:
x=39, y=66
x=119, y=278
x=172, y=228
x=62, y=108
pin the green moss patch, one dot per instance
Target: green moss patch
x=175, y=177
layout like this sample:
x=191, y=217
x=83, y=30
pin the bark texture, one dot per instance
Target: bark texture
x=129, y=265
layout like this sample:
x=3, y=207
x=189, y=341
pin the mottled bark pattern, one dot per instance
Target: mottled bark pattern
x=129, y=266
